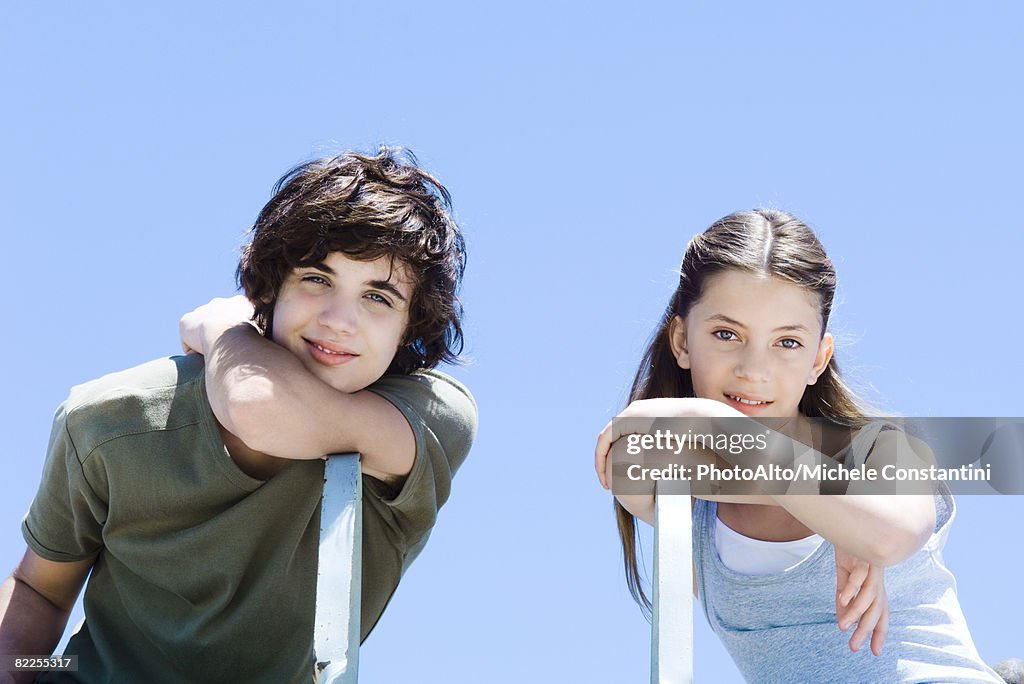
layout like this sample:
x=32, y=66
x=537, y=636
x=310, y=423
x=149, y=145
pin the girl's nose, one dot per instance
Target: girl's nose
x=753, y=366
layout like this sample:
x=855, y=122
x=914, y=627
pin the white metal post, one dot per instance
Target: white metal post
x=339, y=573
x=672, y=619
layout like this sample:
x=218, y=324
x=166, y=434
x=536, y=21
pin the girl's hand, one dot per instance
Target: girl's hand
x=654, y=408
x=861, y=598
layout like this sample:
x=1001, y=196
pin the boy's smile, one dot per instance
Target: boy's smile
x=753, y=343
x=330, y=354
x=344, y=318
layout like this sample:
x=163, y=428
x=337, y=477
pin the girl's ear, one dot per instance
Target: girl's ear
x=677, y=340
x=825, y=349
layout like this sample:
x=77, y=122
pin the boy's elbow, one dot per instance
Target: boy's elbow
x=250, y=417
x=258, y=421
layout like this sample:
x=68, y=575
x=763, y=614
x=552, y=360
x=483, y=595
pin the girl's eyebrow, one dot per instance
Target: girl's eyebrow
x=782, y=328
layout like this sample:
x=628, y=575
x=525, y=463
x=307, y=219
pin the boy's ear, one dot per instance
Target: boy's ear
x=825, y=350
x=677, y=340
x=408, y=337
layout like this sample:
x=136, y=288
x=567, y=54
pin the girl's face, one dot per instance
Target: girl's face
x=753, y=343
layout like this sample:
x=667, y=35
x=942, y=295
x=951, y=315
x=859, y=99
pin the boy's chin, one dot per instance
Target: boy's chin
x=348, y=385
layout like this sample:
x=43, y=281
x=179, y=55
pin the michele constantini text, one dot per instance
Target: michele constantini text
x=805, y=472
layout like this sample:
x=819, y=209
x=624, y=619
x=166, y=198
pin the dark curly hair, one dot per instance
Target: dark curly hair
x=366, y=207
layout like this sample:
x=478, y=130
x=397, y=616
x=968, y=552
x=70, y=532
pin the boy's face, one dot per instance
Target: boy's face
x=344, y=318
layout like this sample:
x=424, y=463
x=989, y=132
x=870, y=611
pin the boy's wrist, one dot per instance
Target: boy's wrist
x=201, y=328
x=215, y=334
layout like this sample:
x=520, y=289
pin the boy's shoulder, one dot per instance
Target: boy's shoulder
x=429, y=390
x=156, y=395
x=437, y=406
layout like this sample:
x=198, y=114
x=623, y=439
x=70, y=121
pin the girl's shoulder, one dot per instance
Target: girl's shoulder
x=886, y=441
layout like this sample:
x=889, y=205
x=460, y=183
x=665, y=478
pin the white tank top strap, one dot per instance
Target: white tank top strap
x=746, y=556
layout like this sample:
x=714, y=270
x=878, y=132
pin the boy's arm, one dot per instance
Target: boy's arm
x=35, y=603
x=264, y=395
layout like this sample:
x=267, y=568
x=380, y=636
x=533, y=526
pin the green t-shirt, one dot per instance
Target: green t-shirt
x=204, y=573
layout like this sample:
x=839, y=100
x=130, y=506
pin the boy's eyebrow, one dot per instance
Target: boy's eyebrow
x=782, y=328
x=321, y=266
x=388, y=286
x=385, y=285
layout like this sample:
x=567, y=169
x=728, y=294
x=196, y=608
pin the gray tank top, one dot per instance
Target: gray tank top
x=783, y=627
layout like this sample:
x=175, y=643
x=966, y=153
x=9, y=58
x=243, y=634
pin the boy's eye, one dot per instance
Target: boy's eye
x=378, y=298
x=725, y=335
x=790, y=343
x=315, y=279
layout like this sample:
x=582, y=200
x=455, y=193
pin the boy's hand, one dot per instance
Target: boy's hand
x=861, y=598
x=200, y=328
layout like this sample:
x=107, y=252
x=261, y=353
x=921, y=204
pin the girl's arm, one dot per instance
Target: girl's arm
x=261, y=393
x=880, y=529
x=860, y=586
x=611, y=451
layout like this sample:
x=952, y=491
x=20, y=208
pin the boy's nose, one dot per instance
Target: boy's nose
x=339, y=315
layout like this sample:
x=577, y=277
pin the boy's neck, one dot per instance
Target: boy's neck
x=255, y=464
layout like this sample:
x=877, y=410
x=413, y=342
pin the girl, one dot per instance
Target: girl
x=745, y=334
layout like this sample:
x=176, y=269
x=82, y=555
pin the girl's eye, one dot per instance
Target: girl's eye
x=790, y=343
x=725, y=335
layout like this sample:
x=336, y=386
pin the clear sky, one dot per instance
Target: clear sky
x=583, y=146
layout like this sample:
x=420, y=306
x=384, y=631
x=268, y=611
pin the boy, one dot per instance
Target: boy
x=190, y=486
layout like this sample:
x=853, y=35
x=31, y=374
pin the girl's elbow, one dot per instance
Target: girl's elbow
x=893, y=550
x=640, y=506
x=900, y=542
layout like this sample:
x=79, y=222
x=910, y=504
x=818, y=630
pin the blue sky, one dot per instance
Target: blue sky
x=583, y=145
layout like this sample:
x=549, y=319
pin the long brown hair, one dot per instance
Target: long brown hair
x=765, y=242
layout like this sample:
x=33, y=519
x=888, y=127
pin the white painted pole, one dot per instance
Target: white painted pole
x=672, y=619
x=339, y=573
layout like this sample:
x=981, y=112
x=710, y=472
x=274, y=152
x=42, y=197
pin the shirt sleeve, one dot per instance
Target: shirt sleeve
x=65, y=520
x=443, y=417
